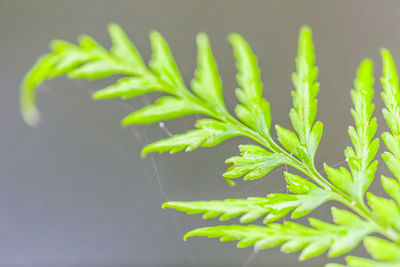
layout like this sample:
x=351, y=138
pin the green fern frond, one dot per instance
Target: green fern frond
x=391, y=112
x=352, y=261
x=209, y=133
x=304, y=110
x=204, y=96
x=254, y=163
x=254, y=110
x=339, y=238
x=249, y=209
x=365, y=147
x=392, y=188
x=91, y=61
x=382, y=250
x=385, y=209
x=207, y=83
x=305, y=197
x=391, y=93
x=385, y=253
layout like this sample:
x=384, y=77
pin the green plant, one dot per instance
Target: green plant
x=367, y=217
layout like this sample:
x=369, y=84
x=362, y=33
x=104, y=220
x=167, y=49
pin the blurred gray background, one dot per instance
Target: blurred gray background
x=74, y=191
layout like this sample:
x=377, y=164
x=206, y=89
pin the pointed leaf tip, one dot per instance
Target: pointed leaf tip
x=31, y=116
x=143, y=153
x=125, y=123
x=113, y=26
x=385, y=52
x=305, y=32
x=155, y=34
x=306, y=28
x=98, y=95
x=165, y=205
x=201, y=39
x=366, y=67
x=233, y=36
x=189, y=234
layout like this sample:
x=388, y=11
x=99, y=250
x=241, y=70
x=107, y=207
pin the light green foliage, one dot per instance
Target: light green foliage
x=365, y=147
x=361, y=262
x=254, y=110
x=391, y=112
x=163, y=64
x=386, y=254
x=341, y=178
x=91, y=61
x=254, y=163
x=209, y=132
x=382, y=249
x=307, y=190
x=305, y=198
x=386, y=209
x=391, y=97
x=207, y=84
x=249, y=209
x=128, y=87
x=290, y=142
x=390, y=94
x=392, y=187
x=339, y=238
x=304, y=108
